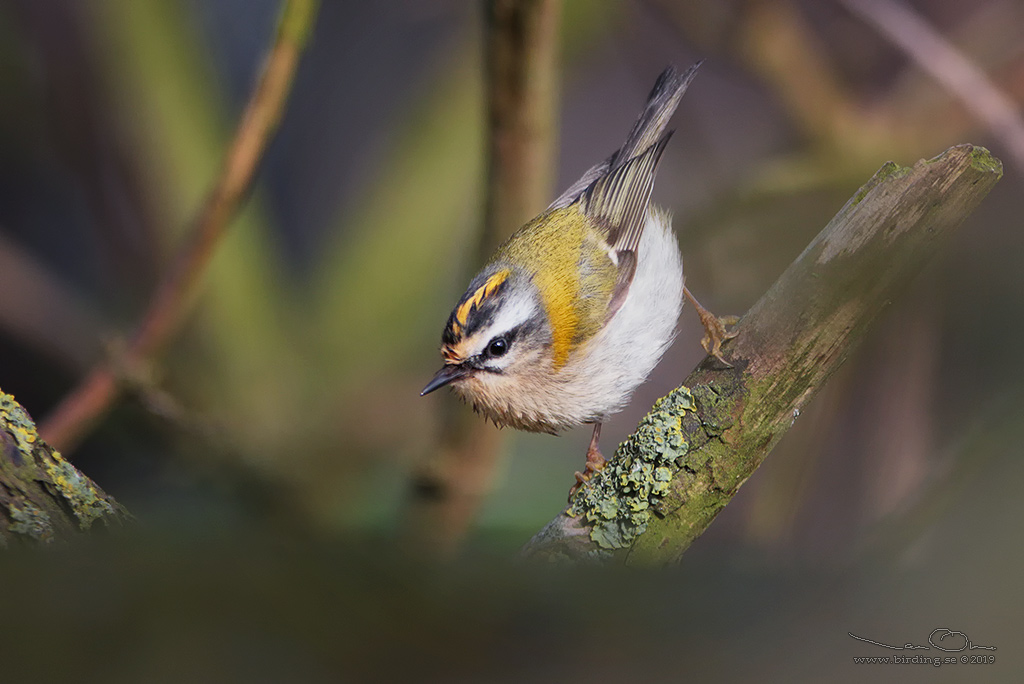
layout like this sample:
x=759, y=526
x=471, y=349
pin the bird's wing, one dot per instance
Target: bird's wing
x=617, y=192
x=576, y=189
x=618, y=201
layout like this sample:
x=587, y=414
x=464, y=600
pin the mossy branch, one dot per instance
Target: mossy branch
x=43, y=498
x=691, y=453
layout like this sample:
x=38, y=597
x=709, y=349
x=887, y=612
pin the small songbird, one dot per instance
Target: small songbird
x=577, y=307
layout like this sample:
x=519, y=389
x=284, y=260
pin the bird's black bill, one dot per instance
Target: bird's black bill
x=444, y=376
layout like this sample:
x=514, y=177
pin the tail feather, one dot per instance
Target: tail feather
x=652, y=122
x=647, y=131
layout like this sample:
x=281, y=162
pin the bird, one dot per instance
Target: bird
x=575, y=309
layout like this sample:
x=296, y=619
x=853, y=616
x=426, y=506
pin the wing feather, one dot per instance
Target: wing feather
x=619, y=200
x=616, y=192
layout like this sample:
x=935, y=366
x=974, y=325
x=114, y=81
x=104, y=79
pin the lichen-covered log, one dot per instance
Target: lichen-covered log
x=691, y=453
x=43, y=498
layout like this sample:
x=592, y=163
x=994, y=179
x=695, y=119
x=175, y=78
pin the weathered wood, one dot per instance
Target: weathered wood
x=44, y=498
x=690, y=455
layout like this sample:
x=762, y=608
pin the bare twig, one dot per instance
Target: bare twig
x=89, y=401
x=949, y=66
x=699, y=444
x=522, y=50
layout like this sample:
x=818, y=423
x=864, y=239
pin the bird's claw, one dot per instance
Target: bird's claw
x=595, y=464
x=715, y=333
x=716, y=330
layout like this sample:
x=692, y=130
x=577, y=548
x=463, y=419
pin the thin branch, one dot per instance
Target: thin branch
x=80, y=410
x=692, y=452
x=950, y=67
x=521, y=62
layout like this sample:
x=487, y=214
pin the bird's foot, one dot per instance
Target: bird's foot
x=595, y=464
x=715, y=329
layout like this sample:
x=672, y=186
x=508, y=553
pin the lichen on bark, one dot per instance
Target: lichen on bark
x=788, y=345
x=617, y=501
x=43, y=497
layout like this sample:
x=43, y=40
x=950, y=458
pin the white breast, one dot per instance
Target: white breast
x=602, y=374
x=620, y=357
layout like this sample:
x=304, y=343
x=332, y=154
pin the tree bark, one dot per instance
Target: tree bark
x=44, y=498
x=698, y=445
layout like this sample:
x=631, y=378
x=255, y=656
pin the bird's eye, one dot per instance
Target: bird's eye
x=497, y=347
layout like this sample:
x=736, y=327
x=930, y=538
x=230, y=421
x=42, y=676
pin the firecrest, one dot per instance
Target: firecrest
x=577, y=307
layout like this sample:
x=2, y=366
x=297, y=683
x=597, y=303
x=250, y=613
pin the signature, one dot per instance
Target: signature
x=940, y=633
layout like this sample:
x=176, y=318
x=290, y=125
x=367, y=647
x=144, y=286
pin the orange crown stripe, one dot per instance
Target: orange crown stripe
x=481, y=293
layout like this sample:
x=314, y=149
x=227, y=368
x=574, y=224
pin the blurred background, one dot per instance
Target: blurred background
x=270, y=464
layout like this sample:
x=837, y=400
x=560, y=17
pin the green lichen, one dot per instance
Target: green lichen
x=79, y=491
x=35, y=461
x=81, y=494
x=18, y=423
x=617, y=501
x=889, y=170
x=982, y=160
x=30, y=521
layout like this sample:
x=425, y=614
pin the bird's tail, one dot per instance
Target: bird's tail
x=652, y=122
x=647, y=131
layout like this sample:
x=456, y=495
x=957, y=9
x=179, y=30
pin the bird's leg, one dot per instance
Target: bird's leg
x=715, y=332
x=595, y=462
